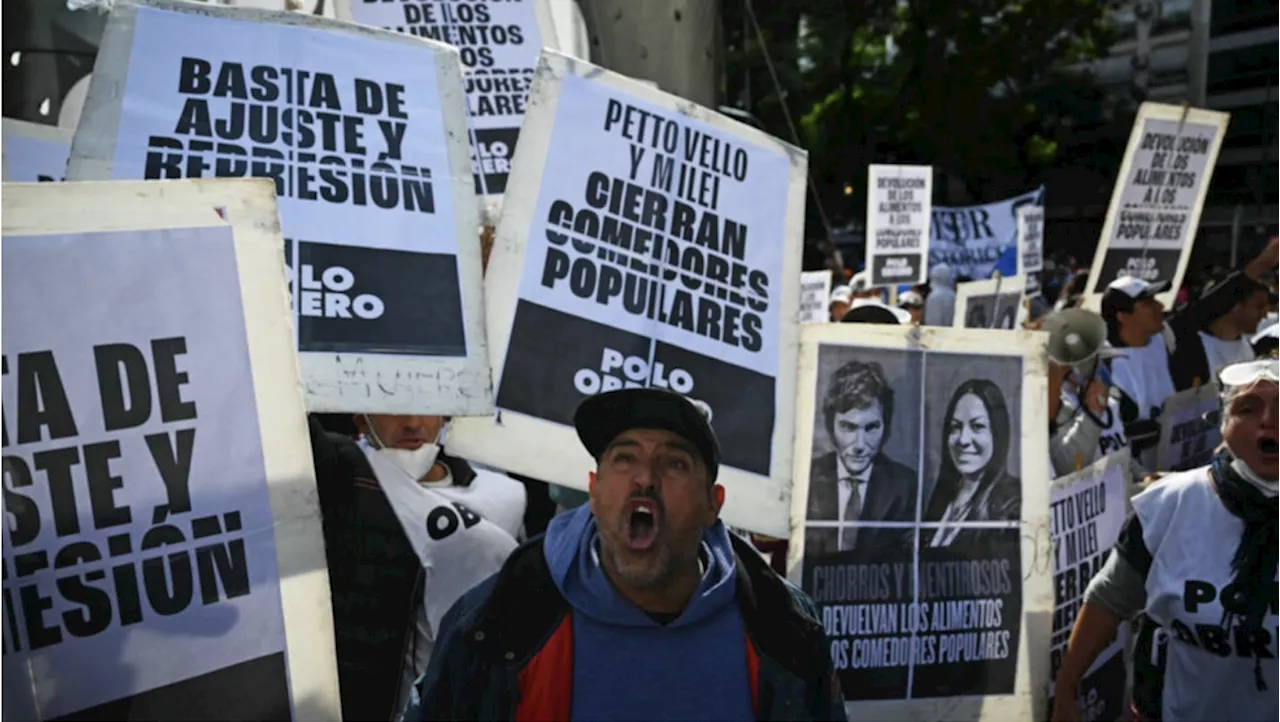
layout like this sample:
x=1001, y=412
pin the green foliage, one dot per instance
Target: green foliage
x=979, y=88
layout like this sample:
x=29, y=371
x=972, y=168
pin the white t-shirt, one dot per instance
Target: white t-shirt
x=1192, y=539
x=1221, y=354
x=1143, y=374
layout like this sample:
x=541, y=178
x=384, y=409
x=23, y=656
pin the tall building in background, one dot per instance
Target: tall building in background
x=1217, y=54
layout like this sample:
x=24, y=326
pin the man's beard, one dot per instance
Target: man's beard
x=652, y=571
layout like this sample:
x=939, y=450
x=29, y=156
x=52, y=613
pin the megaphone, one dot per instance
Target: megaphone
x=1077, y=338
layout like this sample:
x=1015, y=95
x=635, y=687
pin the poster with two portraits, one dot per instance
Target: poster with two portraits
x=920, y=517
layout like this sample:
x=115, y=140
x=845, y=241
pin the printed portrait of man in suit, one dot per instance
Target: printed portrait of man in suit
x=857, y=481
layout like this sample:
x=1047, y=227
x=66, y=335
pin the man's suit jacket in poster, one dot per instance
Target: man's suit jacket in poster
x=890, y=496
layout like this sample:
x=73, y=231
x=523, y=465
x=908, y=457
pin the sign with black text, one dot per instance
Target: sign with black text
x=974, y=240
x=1087, y=510
x=366, y=144
x=899, y=201
x=163, y=551
x=920, y=460
x=499, y=44
x=1190, y=431
x=643, y=242
x=1159, y=193
x=993, y=303
x=1030, y=239
x=815, y=290
x=34, y=153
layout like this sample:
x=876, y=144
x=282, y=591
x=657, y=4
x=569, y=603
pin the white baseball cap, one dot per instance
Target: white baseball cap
x=842, y=294
x=1136, y=288
x=911, y=298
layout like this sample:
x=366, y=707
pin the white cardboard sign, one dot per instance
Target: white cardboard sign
x=644, y=241
x=499, y=44
x=364, y=133
x=164, y=543
x=815, y=289
x=1189, y=429
x=1159, y=193
x=934, y=606
x=899, y=209
x=992, y=303
x=1030, y=239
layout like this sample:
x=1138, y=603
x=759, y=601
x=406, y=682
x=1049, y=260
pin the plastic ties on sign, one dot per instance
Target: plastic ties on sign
x=102, y=6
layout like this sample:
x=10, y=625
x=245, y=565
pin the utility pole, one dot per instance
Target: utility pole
x=674, y=43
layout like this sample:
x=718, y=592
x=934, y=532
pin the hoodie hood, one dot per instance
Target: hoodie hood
x=572, y=549
x=942, y=275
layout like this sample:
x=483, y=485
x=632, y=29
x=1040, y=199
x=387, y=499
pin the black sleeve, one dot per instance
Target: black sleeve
x=1132, y=548
x=1214, y=303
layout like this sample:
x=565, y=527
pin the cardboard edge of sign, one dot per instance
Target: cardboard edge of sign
x=1175, y=113
x=874, y=171
x=34, y=209
x=332, y=382
x=551, y=452
x=14, y=128
x=985, y=287
x=1030, y=687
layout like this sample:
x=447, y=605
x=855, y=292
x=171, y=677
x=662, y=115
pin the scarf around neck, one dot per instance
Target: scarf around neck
x=1255, y=558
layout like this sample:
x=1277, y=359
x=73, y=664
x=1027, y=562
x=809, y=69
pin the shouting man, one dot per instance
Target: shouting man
x=637, y=605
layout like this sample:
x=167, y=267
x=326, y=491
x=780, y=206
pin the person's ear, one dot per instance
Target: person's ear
x=717, y=502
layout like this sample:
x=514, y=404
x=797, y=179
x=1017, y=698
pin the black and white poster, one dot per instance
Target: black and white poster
x=647, y=242
x=363, y=133
x=1190, y=429
x=499, y=44
x=34, y=153
x=1087, y=510
x=992, y=304
x=1159, y=193
x=160, y=554
x=899, y=201
x=815, y=290
x=1030, y=239
x=920, y=537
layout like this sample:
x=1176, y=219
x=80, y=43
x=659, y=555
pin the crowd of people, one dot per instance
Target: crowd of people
x=633, y=600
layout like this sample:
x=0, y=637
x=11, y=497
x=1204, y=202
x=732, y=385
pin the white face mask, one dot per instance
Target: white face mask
x=415, y=462
x=1266, y=486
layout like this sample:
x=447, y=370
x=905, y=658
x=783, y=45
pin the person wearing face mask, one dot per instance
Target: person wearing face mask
x=1196, y=567
x=407, y=530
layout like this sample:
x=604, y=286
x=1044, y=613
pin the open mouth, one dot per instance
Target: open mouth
x=1268, y=446
x=641, y=524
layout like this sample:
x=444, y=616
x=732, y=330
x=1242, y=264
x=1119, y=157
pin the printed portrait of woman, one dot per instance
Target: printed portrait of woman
x=974, y=483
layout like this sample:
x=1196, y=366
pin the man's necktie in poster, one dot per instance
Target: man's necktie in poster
x=925, y=541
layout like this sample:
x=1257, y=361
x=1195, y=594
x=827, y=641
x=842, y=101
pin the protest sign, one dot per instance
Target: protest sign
x=934, y=607
x=993, y=303
x=1030, y=239
x=366, y=143
x=499, y=44
x=1159, y=193
x=899, y=198
x=644, y=241
x=972, y=240
x=164, y=551
x=1189, y=429
x=34, y=152
x=815, y=289
x=1087, y=510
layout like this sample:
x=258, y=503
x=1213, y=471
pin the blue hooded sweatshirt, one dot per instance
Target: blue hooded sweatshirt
x=626, y=666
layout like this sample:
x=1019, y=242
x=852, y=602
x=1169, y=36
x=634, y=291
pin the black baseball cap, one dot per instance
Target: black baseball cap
x=601, y=418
